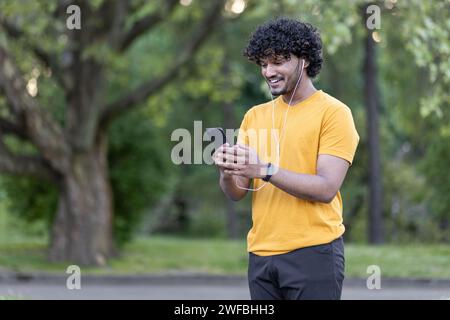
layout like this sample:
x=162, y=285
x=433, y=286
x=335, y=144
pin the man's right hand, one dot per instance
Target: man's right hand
x=228, y=182
x=219, y=158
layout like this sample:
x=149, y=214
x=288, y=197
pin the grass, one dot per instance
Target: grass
x=218, y=256
x=12, y=298
x=413, y=261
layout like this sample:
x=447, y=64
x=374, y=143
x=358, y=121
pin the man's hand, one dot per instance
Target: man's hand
x=232, y=184
x=239, y=160
x=219, y=157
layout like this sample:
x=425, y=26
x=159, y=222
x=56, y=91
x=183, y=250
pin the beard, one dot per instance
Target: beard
x=289, y=84
x=287, y=87
x=279, y=90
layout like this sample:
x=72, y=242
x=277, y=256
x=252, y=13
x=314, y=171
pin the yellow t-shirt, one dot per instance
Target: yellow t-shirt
x=317, y=125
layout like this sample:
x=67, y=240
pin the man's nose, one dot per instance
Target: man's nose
x=270, y=71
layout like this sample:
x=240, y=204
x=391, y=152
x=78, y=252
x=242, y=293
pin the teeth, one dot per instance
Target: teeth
x=274, y=81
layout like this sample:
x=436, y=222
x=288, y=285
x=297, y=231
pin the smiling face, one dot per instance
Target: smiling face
x=281, y=74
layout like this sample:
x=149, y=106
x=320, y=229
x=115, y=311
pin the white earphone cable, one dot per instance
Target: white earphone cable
x=273, y=129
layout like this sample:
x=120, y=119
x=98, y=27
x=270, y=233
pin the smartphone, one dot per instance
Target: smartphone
x=217, y=135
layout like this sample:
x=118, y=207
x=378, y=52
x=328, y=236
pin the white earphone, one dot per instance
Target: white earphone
x=282, y=128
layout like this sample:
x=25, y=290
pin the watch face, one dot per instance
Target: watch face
x=270, y=170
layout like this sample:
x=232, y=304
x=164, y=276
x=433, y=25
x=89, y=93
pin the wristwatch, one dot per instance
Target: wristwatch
x=269, y=172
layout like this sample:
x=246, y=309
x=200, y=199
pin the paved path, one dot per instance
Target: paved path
x=196, y=292
x=202, y=289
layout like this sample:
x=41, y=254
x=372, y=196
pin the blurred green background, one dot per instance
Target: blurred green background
x=173, y=72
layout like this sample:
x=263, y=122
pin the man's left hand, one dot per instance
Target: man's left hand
x=242, y=160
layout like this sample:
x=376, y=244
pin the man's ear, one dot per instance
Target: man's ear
x=306, y=63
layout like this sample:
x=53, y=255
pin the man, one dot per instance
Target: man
x=295, y=245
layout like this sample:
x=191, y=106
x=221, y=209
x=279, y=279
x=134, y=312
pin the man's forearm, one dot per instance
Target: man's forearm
x=305, y=186
x=228, y=186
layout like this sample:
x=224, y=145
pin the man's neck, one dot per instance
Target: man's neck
x=304, y=90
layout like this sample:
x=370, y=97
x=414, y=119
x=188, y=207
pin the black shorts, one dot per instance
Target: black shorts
x=315, y=272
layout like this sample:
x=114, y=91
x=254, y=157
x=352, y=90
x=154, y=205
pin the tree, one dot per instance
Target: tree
x=72, y=153
x=372, y=102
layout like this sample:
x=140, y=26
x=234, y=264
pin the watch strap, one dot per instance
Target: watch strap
x=269, y=173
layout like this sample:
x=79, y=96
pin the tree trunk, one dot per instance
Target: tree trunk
x=443, y=225
x=371, y=98
x=82, y=230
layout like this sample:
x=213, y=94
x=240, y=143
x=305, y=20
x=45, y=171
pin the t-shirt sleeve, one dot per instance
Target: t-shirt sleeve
x=338, y=136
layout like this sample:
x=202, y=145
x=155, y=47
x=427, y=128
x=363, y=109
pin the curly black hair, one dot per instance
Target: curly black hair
x=283, y=36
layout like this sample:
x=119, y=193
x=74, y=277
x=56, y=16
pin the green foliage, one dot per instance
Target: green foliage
x=435, y=168
x=428, y=34
x=138, y=165
x=31, y=200
x=15, y=227
x=413, y=63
